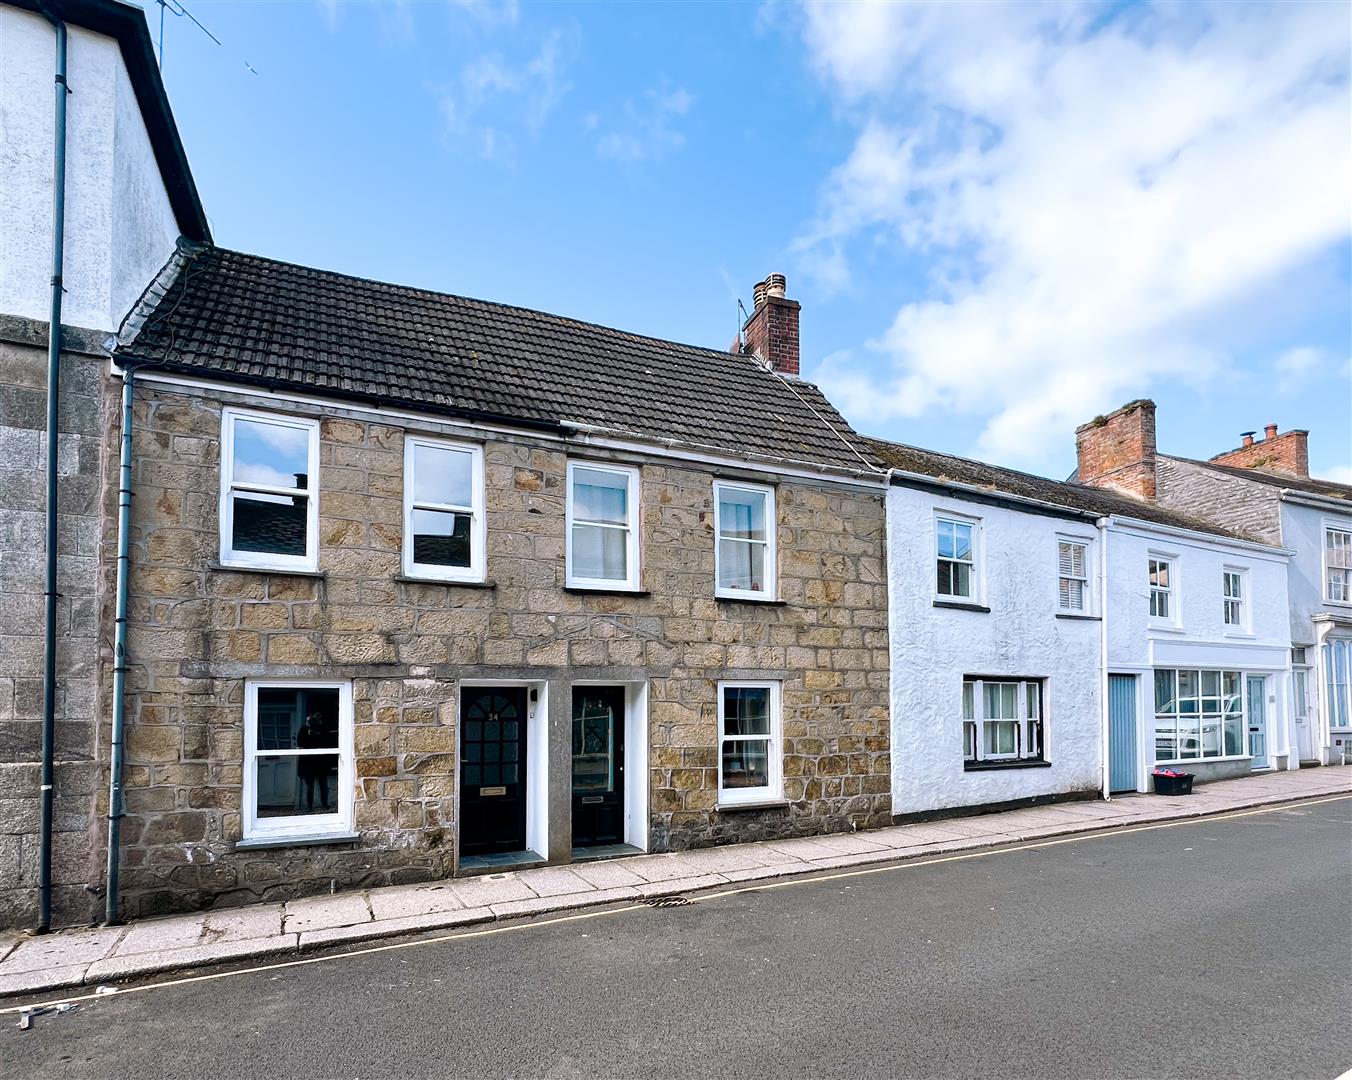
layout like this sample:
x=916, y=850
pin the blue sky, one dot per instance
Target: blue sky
x=1000, y=220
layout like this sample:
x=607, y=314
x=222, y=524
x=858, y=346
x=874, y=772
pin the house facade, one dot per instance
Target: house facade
x=1199, y=656
x=996, y=637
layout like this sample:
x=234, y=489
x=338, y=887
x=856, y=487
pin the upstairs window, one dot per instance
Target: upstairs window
x=1001, y=720
x=744, y=558
x=1232, y=601
x=602, y=523
x=1161, y=589
x=444, y=526
x=956, y=548
x=1338, y=566
x=269, y=511
x=1072, y=566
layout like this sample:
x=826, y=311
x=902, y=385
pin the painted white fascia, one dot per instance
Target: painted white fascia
x=585, y=435
x=1148, y=529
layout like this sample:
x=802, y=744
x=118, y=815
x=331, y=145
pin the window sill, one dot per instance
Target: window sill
x=413, y=579
x=1165, y=628
x=1199, y=761
x=230, y=568
x=314, y=840
x=587, y=590
x=961, y=605
x=759, y=804
x=764, y=601
x=1238, y=635
x=1079, y=615
x=996, y=766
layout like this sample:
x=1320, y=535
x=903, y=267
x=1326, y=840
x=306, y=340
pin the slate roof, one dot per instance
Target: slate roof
x=250, y=319
x=999, y=480
x=1308, y=485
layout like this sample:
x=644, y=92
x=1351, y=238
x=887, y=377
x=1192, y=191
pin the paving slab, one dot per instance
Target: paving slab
x=491, y=889
x=680, y=885
x=653, y=868
x=236, y=924
x=408, y=924
x=35, y=982
x=612, y=874
x=543, y=904
x=556, y=881
x=321, y=912
x=62, y=950
x=402, y=901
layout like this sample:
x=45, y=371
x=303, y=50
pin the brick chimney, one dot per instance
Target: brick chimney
x=1117, y=451
x=1287, y=453
x=772, y=330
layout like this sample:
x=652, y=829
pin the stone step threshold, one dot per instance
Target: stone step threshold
x=104, y=955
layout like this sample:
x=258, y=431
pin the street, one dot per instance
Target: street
x=1217, y=947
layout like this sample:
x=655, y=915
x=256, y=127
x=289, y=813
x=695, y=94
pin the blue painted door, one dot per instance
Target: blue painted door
x=1122, y=732
x=1258, y=721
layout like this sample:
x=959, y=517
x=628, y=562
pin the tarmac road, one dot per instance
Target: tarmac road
x=1219, y=947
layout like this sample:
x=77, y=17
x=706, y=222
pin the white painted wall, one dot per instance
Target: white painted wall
x=120, y=228
x=933, y=648
x=1303, y=532
x=1197, y=636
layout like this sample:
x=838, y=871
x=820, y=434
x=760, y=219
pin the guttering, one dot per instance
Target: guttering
x=470, y=427
x=1119, y=521
x=119, y=655
x=1309, y=498
x=53, y=402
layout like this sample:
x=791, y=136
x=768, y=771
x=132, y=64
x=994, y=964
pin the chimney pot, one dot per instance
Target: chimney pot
x=775, y=285
x=1270, y=432
x=758, y=295
x=1248, y=437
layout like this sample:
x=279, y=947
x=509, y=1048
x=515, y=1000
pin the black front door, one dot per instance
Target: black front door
x=598, y=765
x=492, y=770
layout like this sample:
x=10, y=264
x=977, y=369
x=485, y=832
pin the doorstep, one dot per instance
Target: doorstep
x=30, y=965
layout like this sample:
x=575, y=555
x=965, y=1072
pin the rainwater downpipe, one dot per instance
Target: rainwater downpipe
x=119, y=654
x=53, y=398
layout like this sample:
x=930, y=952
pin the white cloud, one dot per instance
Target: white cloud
x=648, y=128
x=495, y=94
x=1088, y=186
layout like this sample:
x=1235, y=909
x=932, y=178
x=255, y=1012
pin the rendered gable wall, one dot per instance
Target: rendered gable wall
x=120, y=227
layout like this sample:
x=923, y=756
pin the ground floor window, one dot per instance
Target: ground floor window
x=750, y=741
x=1001, y=720
x=1338, y=681
x=1198, y=714
x=297, y=759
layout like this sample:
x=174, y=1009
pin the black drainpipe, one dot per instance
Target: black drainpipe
x=53, y=396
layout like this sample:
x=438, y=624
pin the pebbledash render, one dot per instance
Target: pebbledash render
x=422, y=585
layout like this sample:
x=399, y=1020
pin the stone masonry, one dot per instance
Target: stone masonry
x=76, y=850
x=198, y=631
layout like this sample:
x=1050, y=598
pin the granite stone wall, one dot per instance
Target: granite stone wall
x=198, y=631
x=76, y=848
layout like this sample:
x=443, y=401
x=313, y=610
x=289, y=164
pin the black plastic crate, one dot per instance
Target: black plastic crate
x=1173, y=785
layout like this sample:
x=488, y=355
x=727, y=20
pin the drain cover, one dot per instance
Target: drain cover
x=667, y=901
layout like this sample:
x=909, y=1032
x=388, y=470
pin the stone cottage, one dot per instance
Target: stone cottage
x=421, y=585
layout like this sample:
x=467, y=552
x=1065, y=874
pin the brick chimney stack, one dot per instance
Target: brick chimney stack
x=1117, y=451
x=1287, y=453
x=771, y=332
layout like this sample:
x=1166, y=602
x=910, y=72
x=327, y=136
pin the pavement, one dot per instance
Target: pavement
x=105, y=955
x=1200, y=948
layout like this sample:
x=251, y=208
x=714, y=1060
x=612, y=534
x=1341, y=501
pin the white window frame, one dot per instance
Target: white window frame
x=1335, y=682
x=1238, y=603
x=478, y=540
x=774, y=790
x=1329, y=567
x=974, y=726
x=974, y=593
x=632, y=526
x=263, y=560
x=307, y=826
x=1201, y=716
x=1086, y=593
x=1171, y=591
x=771, y=590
